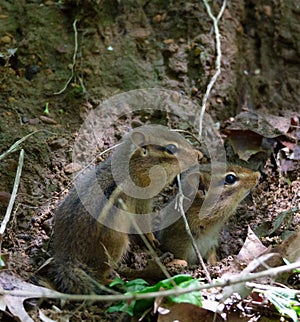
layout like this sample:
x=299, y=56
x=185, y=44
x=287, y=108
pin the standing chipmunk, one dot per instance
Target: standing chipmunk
x=206, y=223
x=90, y=228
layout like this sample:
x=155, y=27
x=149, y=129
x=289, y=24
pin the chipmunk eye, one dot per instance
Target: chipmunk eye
x=171, y=148
x=230, y=178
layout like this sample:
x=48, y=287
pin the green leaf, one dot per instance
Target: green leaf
x=136, y=285
x=122, y=306
x=285, y=301
x=191, y=297
x=139, y=286
x=287, y=262
x=117, y=281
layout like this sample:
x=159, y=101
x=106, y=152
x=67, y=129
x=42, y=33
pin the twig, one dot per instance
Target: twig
x=218, y=59
x=45, y=293
x=13, y=196
x=74, y=59
x=264, y=287
x=188, y=230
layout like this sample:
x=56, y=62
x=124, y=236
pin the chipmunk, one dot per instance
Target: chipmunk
x=90, y=232
x=206, y=219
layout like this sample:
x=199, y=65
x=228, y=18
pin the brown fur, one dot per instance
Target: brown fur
x=206, y=223
x=85, y=250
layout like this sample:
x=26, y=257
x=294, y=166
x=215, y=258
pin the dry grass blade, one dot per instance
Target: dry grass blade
x=13, y=195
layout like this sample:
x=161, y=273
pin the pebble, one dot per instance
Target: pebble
x=33, y=121
x=25, y=119
x=168, y=41
x=47, y=120
x=72, y=167
x=58, y=143
x=179, y=262
x=194, y=90
x=4, y=197
x=157, y=18
x=30, y=71
x=5, y=40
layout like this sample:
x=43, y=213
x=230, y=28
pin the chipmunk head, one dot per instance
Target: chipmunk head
x=151, y=157
x=224, y=190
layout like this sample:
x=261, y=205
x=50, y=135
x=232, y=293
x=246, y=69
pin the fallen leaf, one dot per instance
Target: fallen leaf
x=15, y=304
x=241, y=288
x=251, y=249
x=269, y=126
x=185, y=312
x=255, y=135
x=268, y=228
x=244, y=143
x=290, y=249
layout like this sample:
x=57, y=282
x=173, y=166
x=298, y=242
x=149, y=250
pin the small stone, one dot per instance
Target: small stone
x=177, y=262
x=4, y=197
x=30, y=71
x=268, y=11
x=47, y=225
x=49, y=3
x=25, y=119
x=140, y=33
x=72, y=167
x=58, y=143
x=157, y=18
x=5, y=40
x=33, y=121
x=194, y=90
x=47, y=120
x=62, y=49
x=219, y=100
x=168, y=41
x=11, y=99
x=48, y=72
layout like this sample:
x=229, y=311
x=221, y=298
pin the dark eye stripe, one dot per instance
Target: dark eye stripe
x=170, y=148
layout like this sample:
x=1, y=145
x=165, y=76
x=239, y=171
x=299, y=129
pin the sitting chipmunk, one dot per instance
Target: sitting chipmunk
x=206, y=219
x=91, y=229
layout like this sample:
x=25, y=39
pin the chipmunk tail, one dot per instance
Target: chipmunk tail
x=73, y=277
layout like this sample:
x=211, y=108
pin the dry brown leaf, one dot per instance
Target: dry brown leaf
x=251, y=249
x=9, y=281
x=268, y=126
x=185, y=312
x=253, y=134
x=290, y=248
x=245, y=143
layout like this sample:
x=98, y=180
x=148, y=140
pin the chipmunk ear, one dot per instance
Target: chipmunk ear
x=138, y=138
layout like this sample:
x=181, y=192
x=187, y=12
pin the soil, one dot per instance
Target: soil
x=60, y=60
